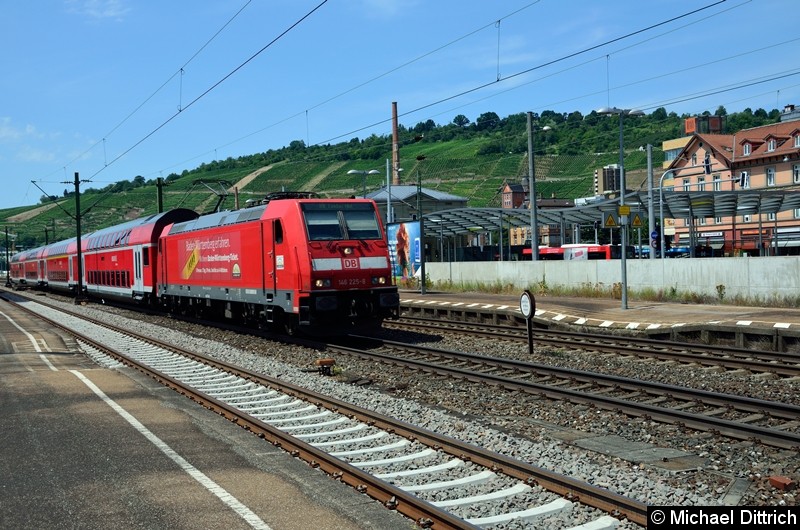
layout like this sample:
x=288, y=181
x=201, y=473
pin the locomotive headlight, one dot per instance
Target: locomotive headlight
x=348, y=251
x=378, y=280
x=322, y=282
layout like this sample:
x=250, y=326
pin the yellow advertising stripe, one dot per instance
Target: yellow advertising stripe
x=191, y=263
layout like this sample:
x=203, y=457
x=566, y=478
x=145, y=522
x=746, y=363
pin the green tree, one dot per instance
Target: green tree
x=487, y=121
x=461, y=121
x=660, y=114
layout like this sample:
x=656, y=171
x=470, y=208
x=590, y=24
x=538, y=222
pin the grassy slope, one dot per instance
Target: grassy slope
x=451, y=167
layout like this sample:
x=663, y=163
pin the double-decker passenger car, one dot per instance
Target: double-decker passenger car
x=61, y=265
x=120, y=261
x=28, y=268
x=16, y=269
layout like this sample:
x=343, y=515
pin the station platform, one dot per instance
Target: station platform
x=609, y=313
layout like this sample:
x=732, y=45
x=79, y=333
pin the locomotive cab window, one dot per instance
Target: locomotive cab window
x=361, y=224
x=322, y=224
x=331, y=221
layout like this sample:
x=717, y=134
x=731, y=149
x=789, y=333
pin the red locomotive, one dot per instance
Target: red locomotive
x=295, y=262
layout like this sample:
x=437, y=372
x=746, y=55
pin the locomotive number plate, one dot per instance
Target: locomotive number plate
x=352, y=282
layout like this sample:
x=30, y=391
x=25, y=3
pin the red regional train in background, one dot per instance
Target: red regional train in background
x=294, y=261
x=27, y=268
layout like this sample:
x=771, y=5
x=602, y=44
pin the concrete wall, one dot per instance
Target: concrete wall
x=762, y=278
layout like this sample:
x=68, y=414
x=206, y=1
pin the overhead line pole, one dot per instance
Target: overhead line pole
x=79, y=299
x=532, y=193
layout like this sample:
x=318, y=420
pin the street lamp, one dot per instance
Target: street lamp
x=622, y=188
x=364, y=174
x=388, y=194
x=397, y=171
x=421, y=218
x=532, y=190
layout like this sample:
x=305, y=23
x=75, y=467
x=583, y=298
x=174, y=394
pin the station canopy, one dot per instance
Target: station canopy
x=676, y=205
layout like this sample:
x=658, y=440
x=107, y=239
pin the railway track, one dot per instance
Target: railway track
x=766, y=422
x=785, y=364
x=436, y=480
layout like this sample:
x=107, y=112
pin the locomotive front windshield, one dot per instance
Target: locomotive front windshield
x=341, y=220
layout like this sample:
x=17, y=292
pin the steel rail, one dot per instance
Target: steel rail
x=743, y=403
x=781, y=364
x=742, y=431
x=423, y=513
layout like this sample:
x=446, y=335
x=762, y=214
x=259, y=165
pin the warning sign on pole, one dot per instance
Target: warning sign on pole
x=609, y=221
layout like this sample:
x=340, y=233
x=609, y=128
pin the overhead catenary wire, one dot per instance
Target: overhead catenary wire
x=490, y=24
x=136, y=109
x=532, y=69
x=216, y=84
x=429, y=105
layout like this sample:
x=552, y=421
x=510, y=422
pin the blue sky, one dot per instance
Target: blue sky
x=113, y=89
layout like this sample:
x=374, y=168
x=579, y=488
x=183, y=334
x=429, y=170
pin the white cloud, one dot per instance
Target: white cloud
x=382, y=9
x=98, y=9
x=27, y=153
x=8, y=131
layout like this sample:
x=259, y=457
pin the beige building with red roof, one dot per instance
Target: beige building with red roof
x=761, y=158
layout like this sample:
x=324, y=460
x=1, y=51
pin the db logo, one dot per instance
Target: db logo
x=350, y=263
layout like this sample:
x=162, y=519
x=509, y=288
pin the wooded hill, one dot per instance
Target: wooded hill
x=464, y=158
